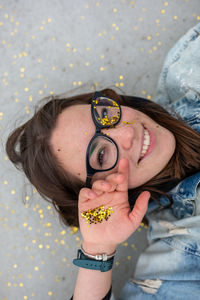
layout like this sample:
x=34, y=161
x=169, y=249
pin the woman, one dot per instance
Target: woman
x=122, y=148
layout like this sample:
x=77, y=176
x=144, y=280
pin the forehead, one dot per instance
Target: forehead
x=70, y=138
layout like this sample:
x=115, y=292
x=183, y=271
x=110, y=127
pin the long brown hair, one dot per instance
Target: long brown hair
x=28, y=147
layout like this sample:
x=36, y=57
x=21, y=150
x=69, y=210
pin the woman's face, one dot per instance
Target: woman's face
x=75, y=128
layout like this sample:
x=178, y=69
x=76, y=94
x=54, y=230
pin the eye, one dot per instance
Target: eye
x=104, y=112
x=100, y=156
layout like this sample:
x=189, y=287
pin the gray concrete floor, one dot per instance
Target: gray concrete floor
x=53, y=47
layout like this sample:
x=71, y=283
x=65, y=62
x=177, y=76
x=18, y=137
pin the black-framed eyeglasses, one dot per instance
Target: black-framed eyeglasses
x=102, y=152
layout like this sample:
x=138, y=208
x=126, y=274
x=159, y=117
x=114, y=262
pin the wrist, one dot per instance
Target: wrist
x=94, y=249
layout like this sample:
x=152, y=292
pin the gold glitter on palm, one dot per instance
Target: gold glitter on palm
x=97, y=215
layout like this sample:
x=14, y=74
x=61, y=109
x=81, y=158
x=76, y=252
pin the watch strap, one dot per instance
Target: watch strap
x=87, y=263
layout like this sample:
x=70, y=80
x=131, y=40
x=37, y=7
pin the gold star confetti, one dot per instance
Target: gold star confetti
x=74, y=229
x=125, y=244
x=97, y=215
x=63, y=232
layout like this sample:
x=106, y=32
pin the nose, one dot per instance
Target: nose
x=122, y=135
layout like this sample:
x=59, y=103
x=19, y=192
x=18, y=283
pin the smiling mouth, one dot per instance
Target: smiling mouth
x=146, y=144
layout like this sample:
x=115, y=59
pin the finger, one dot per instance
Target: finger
x=86, y=194
x=123, y=169
x=103, y=185
x=139, y=209
x=114, y=179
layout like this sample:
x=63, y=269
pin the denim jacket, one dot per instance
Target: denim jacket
x=170, y=267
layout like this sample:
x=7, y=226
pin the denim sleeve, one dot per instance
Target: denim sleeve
x=181, y=69
x=170, y=266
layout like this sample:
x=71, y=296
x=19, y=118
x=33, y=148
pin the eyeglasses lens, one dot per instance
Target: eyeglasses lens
x=103, y=152
x=106, y=111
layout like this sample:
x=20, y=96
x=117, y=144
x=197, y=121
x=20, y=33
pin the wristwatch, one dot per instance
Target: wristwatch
x=102, y=262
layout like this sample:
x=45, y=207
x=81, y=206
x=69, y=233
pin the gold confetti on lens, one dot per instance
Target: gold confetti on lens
x=97, y=215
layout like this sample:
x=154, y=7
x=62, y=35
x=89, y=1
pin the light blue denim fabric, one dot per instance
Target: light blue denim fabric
x=170, y=267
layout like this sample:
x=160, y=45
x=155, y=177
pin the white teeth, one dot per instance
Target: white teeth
x=146, y=143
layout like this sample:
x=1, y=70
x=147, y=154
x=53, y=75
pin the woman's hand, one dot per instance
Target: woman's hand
x=111, y=192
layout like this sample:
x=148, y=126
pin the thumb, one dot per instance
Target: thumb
x=139, y=209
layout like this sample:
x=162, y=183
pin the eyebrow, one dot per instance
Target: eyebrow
x=94, y=145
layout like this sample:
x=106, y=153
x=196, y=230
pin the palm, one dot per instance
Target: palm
x=117, y=228
x=122, y=222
